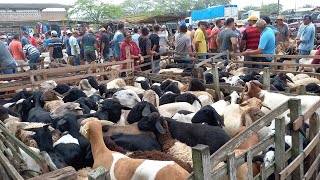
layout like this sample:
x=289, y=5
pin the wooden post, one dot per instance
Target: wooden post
x=279, y=146
x=201, y=162
x=32, y=82
x=314, y=129
x=61, y=174
x=216, y=84
x=266, y=78
x=99, y=174
x=302, y=90
x=128, y=58
x=295, y=112
x=232, y=169
x=249, y=164
x=263, y=171
x=12, y=172
x=152, y=64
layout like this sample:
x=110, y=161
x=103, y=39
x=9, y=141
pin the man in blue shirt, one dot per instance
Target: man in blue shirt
x=117, y=40
x=266, y=43
x=305, y=37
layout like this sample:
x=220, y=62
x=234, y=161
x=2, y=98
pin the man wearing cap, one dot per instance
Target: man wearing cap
x=251, y=36
x=6, y=60
x=66, y=42
x=90, y=45
x=24, y=39
x=241, y=26
x=75, y=48
x=55, y=45
x=283, y=29
x=266, y=44
x=305, y=37
x=199, y=40
x=104, y=44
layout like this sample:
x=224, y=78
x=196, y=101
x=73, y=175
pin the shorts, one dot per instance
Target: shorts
x=90, y=56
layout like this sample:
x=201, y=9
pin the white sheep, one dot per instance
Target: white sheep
x=50, y=84
x=168, y=110
x=304, y=82
x=135, y=89
x=116, y=83
x=151, y=97
x=235, y=81
x=205, y=100
x=307, y=61
x=183, y=118
x=220, y=106
x=85, y=86
x=300, y=76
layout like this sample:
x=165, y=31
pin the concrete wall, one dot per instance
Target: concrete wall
x=32, y=16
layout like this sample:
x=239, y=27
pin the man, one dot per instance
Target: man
x=164, y=40
x=24, y=38
x=305, y=38
x=33, y=40
x=214, y=35
x=145, y=47
x=283, y=29
x=227, y=39
x=183, y=44
x=268, y=21
x=136, y=35
x=3, y=38
x=33, y=54
x=55, y=45
x=66, y=42
x=104, y=44
x=251, y=37
x=79, y=39
x=266, y=44
x=155, y=44
x=6, y=60
x=75, y=48
x=16, y=50
x=208, y=32
x=241, y=26
x=111, y=49
x=90, y=45
x=199, y=40
x=134, y=51
x=117, y=40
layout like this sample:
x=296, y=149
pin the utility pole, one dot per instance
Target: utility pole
x=278, y=7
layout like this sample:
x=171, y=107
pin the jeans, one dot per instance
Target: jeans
x=302, y=52
x=76, y=60
x=156, y=67
x=10, y=70
x=106, y=56
x=34, y=58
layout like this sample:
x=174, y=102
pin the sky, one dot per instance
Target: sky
x=288, y=4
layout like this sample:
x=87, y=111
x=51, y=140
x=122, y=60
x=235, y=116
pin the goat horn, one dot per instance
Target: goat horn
x=265, y=105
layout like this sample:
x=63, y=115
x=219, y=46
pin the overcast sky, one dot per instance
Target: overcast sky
x=288, y=4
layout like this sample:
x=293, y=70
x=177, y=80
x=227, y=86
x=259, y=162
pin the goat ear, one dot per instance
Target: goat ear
x=159, y=127
x=244, y=103
x=146, y=111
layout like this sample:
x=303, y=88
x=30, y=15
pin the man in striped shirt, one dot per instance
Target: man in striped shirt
x=55, y=48
x=33, y=54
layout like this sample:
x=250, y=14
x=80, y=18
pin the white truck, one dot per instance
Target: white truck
x=246, y=15
x=212, y=13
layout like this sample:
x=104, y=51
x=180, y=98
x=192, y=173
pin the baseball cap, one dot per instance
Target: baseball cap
x=182, y=23
x=163, y=26
x=54, y=33
x=280, y=18
x=253, y=18
x=307, y=16
x=190, y=26
x=68, y=32
x=261, y=23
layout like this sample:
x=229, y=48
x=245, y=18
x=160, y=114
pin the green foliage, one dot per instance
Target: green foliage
x=268, y=9
x=250, y=7
x=307, y=6
x=94, y=10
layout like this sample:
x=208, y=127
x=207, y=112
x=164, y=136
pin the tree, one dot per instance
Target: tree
x=133, y=7
x=269, y=9
x=94, y=11
x=250, y=7
x=307, y=6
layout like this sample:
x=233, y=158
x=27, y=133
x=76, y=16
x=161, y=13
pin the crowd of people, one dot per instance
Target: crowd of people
x=258, y=37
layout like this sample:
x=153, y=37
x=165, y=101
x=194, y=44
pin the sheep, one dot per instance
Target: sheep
x=205, y=100
x=168, y=110
x=114, y=108
x=196, y=85
x=73, y=95
x=139, y=111
x=135, y=89
x=103, y=89
x=127, y=98
x=159, y=127
x=50, y=84
x=167, y=82
x=220, y=106
x=138, y=142
x=62, y=88
x=157, y=89
x=183, y=116
x=151, y=97
x=112, y=129
x=37, y=114
x=93, y=82
x=300, y=76
x=69, y=107
x=235, y=81
x=313, y=88
x=167, y=98
x=189, y=98
x=119, y=164
x=208, y=115
x=233, y=113
x=85, y=86
x=307, y=61
x=304, y=82
x=116, y=83
x=173, y=87
x=30, y=162
x=142, y=83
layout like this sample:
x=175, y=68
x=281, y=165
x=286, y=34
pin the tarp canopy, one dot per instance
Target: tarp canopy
x=209, y=13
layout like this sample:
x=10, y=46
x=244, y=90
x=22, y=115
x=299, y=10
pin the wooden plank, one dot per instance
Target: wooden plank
x=295, y=112
x=215, y=76
x=263, y=171
x=266, y=78
x=232, y=170
x=314, y=156
x=299, y=159
x=313, y=169
x=12, y=172
x=249, y=165
x=201, y=162
x=99, y=174
x=279, y=146
x=60, y=174
x=279, y=56
x=220, y=155
x=3, y=173
x=210, y=59
x=300, y=120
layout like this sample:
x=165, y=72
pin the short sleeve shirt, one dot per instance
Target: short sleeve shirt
x=225, y=39
x=213, y=44
x=57, y=44
x=183, y=41
x=267, y=42
x=144, y=44
x=117, y=40
x=5, y=59
x=88, y=42
x=106, y=40
x=15, y=47
x=200, y=37
x=73, y=42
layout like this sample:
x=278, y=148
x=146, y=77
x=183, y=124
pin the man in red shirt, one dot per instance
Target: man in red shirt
x=15, y=49
x=213, y=37
x=33, y=40
x=316, y=61
x=208, y=32
x=134, y=51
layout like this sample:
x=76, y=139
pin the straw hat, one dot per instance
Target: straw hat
x=253, y=18
x=240, y=23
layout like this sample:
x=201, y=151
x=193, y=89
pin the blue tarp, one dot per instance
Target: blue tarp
x=209, y=13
